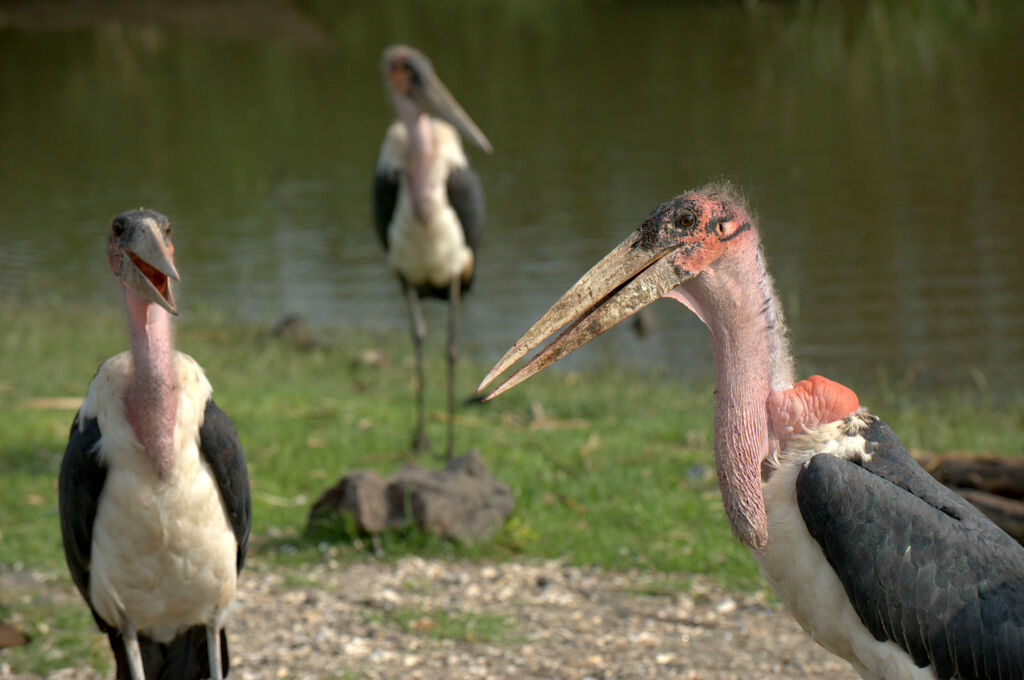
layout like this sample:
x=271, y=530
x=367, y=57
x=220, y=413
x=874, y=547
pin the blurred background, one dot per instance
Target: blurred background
x=880, y=142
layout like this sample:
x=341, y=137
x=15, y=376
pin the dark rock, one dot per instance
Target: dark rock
x=362, y=495
x=464, y=501
x=11, y=636
x=293, y=328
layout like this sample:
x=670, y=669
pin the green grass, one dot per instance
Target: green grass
x=608, y=468
x=62, y=630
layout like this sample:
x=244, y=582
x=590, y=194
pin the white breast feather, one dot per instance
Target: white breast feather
x=432, y=252
x=797, y=570
x=163, y=552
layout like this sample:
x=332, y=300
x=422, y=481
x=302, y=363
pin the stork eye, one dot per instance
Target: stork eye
x=118, y=228
x=687, y=220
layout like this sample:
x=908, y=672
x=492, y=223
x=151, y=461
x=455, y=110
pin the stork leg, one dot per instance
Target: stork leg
x=454, y=299
x=213, y=652
x=134, y=654
x=419, y=333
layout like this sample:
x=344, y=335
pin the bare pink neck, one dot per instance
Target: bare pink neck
x=757, y=406
x=736, y=301
x=421, y=151
x=151, y=401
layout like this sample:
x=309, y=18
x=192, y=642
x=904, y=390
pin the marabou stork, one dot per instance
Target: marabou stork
x=428, y=204
x=154, y=493
x=880, y=563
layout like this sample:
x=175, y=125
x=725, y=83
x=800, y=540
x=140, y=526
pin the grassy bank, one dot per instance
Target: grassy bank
x=608, y=468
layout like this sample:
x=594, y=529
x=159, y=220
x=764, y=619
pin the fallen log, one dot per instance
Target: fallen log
x=992, y=474
x=1006, y=513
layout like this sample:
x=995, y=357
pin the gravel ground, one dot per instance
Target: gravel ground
x=432, y=619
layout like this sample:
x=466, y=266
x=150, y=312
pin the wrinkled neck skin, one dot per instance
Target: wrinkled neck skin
x=151, y=402
x=420, y=155
x=757, y=406
x=751, y=360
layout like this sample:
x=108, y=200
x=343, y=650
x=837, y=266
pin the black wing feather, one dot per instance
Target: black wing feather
x=385, y=196
x=81, y=481
x=466, y=195
x=219, y=445
x=921, y=566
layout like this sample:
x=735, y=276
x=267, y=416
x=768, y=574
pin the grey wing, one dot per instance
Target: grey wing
x=79, y=486
x=921, y=567
x=220, y=447
x=466, y=195
x=385, y=196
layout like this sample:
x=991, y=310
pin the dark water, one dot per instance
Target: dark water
x=881, y=147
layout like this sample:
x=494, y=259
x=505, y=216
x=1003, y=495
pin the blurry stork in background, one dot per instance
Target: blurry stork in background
x=428, y=205
x=154, y=494
x=878, y=561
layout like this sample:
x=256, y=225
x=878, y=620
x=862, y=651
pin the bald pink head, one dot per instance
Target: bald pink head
x=702, y=249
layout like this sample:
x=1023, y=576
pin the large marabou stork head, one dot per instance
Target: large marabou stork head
x=702, y=249
x=683, y=238
x=141, y=255
x=412, y=81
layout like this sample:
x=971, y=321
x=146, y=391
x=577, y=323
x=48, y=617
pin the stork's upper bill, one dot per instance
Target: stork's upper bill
x=410, y=74
x=141, y=255
x=681, y=239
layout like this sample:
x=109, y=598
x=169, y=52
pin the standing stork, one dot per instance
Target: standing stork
x=428, y=205
x=154, y=494
x=880, y=563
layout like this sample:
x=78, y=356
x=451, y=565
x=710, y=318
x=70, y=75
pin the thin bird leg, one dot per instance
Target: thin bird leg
x=419, y=333
x=134, y=654
x=454, y=300
x=213, y=652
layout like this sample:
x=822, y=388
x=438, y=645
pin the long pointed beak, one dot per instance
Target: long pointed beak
x=625, y=281
x=147, y=265
x=437, y=100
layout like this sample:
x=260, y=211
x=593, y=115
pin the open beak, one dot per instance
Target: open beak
x=625, y=281
x=435, y=98
x=147, y=264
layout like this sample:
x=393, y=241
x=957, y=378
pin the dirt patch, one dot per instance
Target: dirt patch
x=433, y=619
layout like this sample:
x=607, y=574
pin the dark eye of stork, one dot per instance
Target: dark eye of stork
x=413, y=74
x=118, y=228
x=687, y=220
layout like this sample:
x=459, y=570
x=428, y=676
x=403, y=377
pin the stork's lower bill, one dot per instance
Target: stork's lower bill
x=156, y=278
x=880, y=563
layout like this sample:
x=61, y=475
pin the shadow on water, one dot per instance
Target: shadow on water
x=871, y=137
